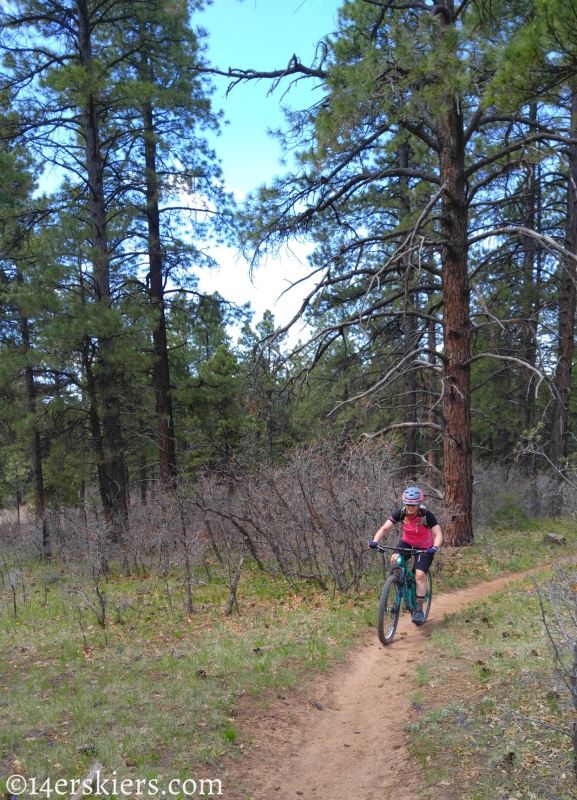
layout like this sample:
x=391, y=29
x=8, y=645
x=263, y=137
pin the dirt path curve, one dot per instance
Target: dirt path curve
x=330, y=754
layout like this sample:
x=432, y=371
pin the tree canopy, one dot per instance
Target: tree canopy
x=433, y=182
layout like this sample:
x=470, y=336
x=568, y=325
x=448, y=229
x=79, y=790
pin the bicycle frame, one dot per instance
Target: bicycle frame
x=407, y=577
x=407, y=582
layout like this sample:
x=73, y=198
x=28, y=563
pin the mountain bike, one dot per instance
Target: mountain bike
x=400, y=587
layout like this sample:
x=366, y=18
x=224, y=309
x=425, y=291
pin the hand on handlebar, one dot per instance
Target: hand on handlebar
x=373, y=545
x=432, y=550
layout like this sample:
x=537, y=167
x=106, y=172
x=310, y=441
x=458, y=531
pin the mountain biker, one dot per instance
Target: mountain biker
x=420, y=530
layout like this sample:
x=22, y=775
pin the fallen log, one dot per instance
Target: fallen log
x=554, y=538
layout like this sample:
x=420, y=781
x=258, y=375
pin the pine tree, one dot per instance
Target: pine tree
x=110, y=94
x=20, y=297
x=56, y=72
x=541, y=64
x=392, y=75
x=166, y=112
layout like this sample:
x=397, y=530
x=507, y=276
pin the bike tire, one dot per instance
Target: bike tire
x=389, y=609
x=427, y=603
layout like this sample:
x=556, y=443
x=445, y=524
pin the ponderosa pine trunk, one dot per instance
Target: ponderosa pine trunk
x=567, y=298
x=142, y=467
x=409, y=331
x=457, y=447
x=432, y=434
x=530, y=290
x=96, y=428
x=112, y=474
x=530, y=312
x=161, y=369
x=93, y=416
x=35, y=443
x=142, y=479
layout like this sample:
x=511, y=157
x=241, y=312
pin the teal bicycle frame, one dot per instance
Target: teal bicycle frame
x=407, y=582
x=400, y=586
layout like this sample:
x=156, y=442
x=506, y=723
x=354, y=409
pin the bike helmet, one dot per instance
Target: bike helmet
x=413, y=496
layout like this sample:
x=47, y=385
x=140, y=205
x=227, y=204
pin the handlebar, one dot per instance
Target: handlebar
x=383, y=547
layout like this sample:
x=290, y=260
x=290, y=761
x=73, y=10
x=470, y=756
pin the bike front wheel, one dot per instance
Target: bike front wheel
x=389, y=609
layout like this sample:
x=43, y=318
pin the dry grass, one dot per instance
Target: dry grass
x=155, y=691
x=489, y=668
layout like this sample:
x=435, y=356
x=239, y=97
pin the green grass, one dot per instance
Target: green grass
x=492, y=661
x=422, y=676
x=446, y=642
x=156, y=690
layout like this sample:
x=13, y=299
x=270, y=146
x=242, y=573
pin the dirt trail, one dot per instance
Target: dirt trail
x=332, y=754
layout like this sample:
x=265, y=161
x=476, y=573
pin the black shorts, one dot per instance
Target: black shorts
x=423, y=561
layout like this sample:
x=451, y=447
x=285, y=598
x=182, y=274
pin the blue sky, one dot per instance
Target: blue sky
x=263, y=35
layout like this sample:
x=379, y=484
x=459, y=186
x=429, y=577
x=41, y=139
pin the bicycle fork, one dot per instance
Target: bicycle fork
x=402, y=580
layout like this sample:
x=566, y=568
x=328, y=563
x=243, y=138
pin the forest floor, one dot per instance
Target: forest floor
x=294, y=692
x=355, y=746
x=404, y=718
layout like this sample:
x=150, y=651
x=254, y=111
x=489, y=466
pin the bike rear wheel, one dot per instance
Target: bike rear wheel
x=389, y=609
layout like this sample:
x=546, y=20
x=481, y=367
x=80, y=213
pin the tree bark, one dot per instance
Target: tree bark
x=567, y=296
x=93, y=414
x=530, y=313
x=530, y=291
x=35, y=443
x=433, y=475
x=409, y=333
x=96, y=431
x=457, y=448
x=113, y=482
x=142, y=468
x=142, y=478
x=161, y=369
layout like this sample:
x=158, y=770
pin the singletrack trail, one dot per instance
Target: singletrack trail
x=355, y=747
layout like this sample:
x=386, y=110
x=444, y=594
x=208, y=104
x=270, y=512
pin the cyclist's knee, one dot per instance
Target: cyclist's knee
x=419, y=574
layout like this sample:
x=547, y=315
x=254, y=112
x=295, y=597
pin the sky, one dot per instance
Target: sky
x=262, y=35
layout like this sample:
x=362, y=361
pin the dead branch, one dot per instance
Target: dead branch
x=398, y=425
x=233, y=602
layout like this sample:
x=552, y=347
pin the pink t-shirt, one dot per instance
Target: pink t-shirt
x=415, y=533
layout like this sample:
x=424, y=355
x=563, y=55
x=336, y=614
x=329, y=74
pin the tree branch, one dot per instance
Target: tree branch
x=513, y=360
x=294, y=67
x=398, y=425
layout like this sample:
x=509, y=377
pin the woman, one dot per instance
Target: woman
x=421, y=531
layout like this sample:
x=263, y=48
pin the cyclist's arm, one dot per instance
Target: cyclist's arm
x=384, y=529
x=437, y=534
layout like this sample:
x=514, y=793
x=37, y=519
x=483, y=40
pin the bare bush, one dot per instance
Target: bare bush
x=311, y=517
x=558, y=601
x=509, y=496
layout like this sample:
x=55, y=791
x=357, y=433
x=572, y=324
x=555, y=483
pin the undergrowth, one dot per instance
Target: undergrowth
x=501, y=550
x=479, y=727
x=155, y=688
x=152, y=690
